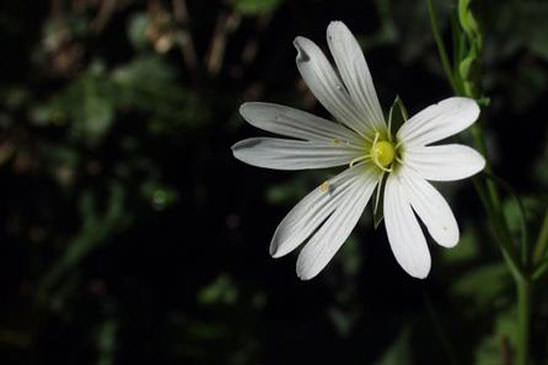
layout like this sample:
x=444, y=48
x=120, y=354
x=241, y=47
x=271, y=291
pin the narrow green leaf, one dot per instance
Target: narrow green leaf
x=256, y=7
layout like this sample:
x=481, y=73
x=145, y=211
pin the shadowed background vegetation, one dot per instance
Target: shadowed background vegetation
x=129, y=234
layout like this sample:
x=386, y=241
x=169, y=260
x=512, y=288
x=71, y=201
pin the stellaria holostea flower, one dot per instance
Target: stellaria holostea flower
x=362, y=140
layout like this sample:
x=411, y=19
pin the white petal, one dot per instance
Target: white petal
x=445, y=162
x=439, y=121
x=431, y=207
x=355, y=73
x=404, y=233
x=324, y=83
x=313, y=210
x=321, y=248
x=296, y=123
x=286, y=154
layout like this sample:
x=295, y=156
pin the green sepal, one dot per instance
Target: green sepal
x=469, y=71
x=469, y=23
x=256, y=7
x=396, y=117
x=469, y=67
x=377, y=206
x=484, y=101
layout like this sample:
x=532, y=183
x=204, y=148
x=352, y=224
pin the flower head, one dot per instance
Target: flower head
x=361, y=140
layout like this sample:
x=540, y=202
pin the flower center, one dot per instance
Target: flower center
x=383, y=153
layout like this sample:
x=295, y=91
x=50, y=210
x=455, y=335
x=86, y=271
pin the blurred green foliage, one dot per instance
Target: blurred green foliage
x=130, y=234
x=253, y=7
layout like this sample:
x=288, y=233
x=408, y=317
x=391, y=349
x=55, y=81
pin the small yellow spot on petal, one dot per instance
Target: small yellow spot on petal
x=337, y=140
x=325, y=187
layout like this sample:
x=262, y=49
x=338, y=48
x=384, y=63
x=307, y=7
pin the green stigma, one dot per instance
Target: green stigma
x=383, y=153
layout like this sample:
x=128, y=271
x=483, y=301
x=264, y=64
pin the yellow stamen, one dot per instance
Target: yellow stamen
x=382, y=152
x=358, y=159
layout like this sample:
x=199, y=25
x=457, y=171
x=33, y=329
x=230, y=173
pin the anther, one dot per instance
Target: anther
x=325, y=187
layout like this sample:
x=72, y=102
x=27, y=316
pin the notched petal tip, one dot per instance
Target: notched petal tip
x=302, y=56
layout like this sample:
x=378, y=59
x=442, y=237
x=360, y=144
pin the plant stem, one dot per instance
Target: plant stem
x=488, y=192
x=441, y=47
x=444, y=340
x=491, y=200
x=525, y=256
x=539, y=260
x=540, y=270
x=542, y=241
x=525, y=288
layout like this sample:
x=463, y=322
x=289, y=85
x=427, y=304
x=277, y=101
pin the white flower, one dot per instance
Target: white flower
x=363, y=141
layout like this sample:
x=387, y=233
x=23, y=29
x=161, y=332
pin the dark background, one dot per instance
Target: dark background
x=129, y=234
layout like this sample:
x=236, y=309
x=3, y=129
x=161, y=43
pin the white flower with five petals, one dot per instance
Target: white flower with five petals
x=362, y=140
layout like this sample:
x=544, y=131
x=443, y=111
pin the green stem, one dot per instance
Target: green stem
x=540, y=270
x=525, y=256
x=441, y=47
x=542, y=241
x=525, y=288
x=440, y=331
x=502, y=234
x=477, y=134
x=497, y=228
x=488, y=192
x=459, y=42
